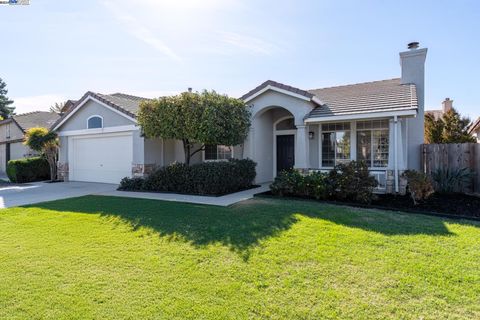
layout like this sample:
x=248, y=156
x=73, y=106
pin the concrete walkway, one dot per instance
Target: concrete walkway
x=224, y=201
x=30, y=193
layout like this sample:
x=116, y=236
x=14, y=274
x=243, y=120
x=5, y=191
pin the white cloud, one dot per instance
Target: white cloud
x=136, y=29
x=248, y=43
x=36, y=103
x=182, y=28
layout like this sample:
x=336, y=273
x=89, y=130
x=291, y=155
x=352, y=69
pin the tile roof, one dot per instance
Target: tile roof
x=279, y=85
x=437, y=114
x=35, y=119
x=124, y=103
x=127, y=102
x=474, y=126
x=377, y=96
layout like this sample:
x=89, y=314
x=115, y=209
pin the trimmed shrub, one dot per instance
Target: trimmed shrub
x=352, y=181
x=28, y=170
x=293, y=183
x=419, y=185
x=209, y=178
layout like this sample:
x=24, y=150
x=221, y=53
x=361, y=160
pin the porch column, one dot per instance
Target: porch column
x=302, y=152
x=249, y=150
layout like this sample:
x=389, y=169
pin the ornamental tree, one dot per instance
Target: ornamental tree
x=197, y=119
x=44, y=141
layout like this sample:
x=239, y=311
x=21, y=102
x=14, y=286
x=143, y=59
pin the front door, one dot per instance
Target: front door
x=285, y=152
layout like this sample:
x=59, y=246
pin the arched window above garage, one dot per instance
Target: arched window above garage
x=94, y=122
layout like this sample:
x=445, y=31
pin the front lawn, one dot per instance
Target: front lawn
x=117, y=258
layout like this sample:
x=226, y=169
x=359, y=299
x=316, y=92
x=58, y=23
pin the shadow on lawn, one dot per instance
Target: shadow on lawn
x=242, y=226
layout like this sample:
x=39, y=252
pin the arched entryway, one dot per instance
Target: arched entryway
x=277, y=140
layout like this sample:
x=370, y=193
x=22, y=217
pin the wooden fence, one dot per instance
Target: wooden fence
x=453, y=156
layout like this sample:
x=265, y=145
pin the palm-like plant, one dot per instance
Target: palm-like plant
x=451, y=180
x=45, y=141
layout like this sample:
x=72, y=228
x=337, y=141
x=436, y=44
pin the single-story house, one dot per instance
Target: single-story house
x=12, y=134
x=447, y=105
x=380, y=122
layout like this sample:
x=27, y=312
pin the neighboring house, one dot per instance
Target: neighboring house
x=474, y=129
x=12, y=134
x=379, y=122
x=447, y=105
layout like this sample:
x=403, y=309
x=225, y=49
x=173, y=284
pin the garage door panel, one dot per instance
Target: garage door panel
x=101, y=159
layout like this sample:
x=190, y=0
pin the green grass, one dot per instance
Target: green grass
x=117, y=258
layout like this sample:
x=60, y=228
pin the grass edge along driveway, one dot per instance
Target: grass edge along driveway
x=118, y=258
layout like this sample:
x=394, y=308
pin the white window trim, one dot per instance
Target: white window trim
x=353, y=141
x=370, y=167
x=217, y=160
x=94, y=116
x=335, y=153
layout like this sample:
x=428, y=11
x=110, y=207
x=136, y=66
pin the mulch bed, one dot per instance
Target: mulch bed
x=449, y=204
x=445, y=205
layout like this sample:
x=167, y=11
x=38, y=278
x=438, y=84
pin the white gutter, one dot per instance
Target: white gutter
x=364, y=115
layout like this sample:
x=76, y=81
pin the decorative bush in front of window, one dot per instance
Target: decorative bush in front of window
x=217, y=152
x=335, y=143
x=95, y=122
x=373, y=142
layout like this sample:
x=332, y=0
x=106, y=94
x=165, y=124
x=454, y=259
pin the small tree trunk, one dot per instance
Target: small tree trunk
x=186, y=149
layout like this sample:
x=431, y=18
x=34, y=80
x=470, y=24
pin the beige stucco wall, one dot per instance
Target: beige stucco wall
x=17, y=149
x=78, y=121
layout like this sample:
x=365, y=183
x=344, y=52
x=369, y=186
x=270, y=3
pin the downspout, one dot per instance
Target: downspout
x=395, y=146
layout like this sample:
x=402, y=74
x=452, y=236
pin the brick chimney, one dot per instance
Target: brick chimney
x=447, y=105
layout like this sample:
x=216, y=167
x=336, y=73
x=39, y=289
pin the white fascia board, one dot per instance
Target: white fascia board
x=273, y=88
x=367, y=115
x=97, y=101
x=98, y=131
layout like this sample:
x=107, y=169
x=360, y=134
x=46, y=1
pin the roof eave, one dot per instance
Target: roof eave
x=83, y=100
x=363, y=115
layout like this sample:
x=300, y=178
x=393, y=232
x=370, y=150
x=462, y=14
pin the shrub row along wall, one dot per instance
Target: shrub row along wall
x=28, y=170
x=453, y=156
x=210, y=178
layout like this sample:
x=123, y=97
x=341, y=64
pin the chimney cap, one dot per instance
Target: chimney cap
x=413, y=45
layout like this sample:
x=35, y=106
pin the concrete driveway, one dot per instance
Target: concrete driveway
x=18, y=195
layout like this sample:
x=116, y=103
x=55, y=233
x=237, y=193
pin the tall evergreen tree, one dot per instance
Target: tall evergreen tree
x=455, y=128
x=450, y=128
x=5, y=109
x=433, y=129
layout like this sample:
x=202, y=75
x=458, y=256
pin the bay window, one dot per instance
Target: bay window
x=373, y=142
x=215, y=152
x=335, y=143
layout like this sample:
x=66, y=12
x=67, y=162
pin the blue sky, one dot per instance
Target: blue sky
x=57, y=50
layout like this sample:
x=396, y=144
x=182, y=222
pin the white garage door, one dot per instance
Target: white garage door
x=103, y=158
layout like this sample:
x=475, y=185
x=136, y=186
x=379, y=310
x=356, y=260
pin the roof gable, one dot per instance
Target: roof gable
x=123, y=104
x=279, y=87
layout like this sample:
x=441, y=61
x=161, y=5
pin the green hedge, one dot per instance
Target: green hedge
x=351, y=182
x=28, y=170
x=209, y=178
